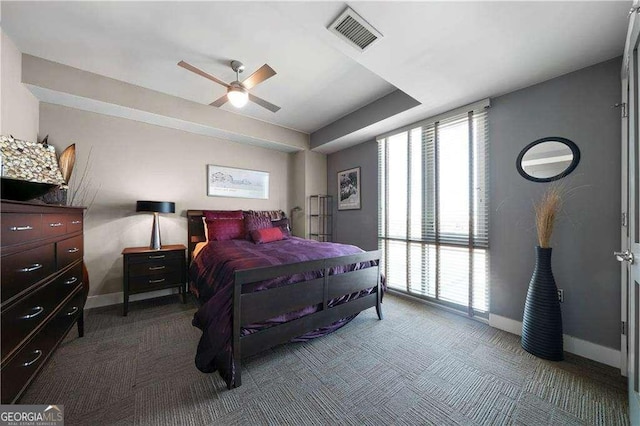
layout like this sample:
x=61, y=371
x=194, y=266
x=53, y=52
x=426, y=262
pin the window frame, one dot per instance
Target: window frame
x=475, y=238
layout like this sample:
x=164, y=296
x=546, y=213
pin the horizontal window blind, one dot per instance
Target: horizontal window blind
x=433, y=219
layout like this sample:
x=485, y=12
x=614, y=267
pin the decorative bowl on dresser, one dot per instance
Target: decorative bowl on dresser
x=42, y=292
x=147, y=269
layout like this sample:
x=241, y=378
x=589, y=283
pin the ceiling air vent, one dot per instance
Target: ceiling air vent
x=353, y=29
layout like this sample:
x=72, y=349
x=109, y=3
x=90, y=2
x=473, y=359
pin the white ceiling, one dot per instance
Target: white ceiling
x=141, y=43
x=443, y=54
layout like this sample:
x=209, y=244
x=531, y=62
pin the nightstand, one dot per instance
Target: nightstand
x=146, y=270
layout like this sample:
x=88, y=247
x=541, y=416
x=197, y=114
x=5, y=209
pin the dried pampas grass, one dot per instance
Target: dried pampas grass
x=547, y=210
x=82, y=192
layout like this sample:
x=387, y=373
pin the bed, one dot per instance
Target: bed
x=255, y=296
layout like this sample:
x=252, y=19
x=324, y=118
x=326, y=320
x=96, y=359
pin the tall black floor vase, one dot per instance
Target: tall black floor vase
x=542, y=320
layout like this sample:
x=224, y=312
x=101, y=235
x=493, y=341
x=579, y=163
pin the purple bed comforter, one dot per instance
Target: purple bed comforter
x=211, y=278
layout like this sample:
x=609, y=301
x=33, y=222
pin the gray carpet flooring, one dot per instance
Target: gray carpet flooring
x=420, y=365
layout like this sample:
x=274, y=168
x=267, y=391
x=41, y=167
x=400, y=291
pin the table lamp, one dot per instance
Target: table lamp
x=156, y=207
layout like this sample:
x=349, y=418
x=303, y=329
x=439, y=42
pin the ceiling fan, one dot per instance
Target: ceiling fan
x=238, y=92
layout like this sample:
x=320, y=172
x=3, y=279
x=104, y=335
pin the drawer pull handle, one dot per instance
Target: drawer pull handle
x=38, y=354
x=71, y=280
x=21, y=228
x=36, y=311
x=72, y=311
x=55, y=225
x=73, y=250
x=157, y=257
x=31, y=268
x=156, y=281
x=156, y=268
x=76, y=222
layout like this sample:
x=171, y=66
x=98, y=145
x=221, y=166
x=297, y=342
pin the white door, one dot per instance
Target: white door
x=631, y=206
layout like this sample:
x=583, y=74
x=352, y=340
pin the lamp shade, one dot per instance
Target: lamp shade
x=156, y=206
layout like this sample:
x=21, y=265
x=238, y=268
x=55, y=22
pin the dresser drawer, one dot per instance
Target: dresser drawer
x=68, y=281
x=54, y=225
x=155, y=268
x=21, y=270
x=154, y=282
x=20, y=228
x=30, y=312
x=26, y=363
x=74, y=222
x=69, y=313
x=161, y=256
x=69, y=250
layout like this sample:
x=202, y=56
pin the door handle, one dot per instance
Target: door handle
x=624, y=256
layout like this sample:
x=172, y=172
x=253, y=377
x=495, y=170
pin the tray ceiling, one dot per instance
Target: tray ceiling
x=442, y=54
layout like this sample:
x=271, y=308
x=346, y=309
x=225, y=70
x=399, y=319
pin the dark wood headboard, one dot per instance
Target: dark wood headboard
x=195, y=226
x=195, y=230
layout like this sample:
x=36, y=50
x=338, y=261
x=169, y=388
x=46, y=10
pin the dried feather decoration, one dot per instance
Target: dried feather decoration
x=67, y=161
x=547, y=209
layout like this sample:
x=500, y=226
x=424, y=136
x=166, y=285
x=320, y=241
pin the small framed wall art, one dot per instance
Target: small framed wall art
x=349, y=189
x=237, y=183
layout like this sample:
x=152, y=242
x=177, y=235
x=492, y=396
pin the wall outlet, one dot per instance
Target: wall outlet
x=560, y=295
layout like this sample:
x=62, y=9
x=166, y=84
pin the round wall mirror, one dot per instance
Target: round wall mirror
x=548, y=159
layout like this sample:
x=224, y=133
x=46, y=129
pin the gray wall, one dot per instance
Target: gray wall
x=358, y=227
x=576, y=106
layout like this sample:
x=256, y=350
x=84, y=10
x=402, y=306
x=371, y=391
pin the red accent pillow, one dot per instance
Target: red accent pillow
x=284, y=226
x=223, y=214
x=225, y=229
x=267, y=235
x=254, y=223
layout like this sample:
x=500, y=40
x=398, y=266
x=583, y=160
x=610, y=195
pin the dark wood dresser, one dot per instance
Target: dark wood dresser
x=42, y=292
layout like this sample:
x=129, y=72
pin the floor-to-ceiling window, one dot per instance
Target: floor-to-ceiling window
x=433, y=194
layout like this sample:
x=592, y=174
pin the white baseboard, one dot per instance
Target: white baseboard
x=583, y=348
x=506, y=324
x=118, y=297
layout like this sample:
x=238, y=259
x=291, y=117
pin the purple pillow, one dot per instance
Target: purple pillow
x=223, y=214
x=284, y=226
x=225, y=229
x=255, y=223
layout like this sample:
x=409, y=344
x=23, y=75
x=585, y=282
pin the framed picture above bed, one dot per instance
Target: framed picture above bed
x=349, y=189
x=237, y=183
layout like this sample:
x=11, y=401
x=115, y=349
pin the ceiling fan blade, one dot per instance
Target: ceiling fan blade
x=191, y=68
x=268, y=105
x=261, y=74
x=220, y=101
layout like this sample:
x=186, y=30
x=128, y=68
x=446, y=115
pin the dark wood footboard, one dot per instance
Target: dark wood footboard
x=253, y=307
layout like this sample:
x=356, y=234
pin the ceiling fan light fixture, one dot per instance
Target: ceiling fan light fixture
x=238, y=92
x=237, y=95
